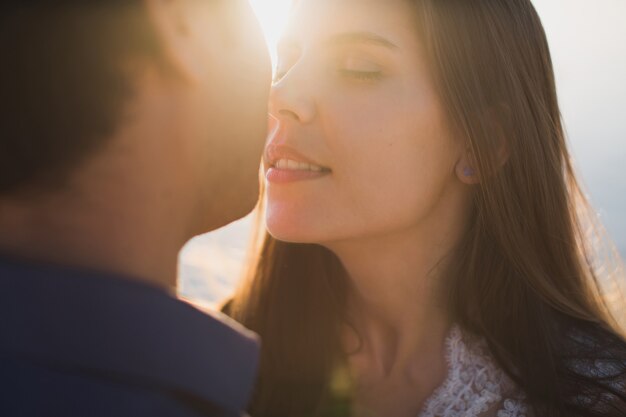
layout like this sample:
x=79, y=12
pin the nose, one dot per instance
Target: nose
x=290, y=98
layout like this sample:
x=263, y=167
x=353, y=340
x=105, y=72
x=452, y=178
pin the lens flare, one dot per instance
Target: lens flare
x=272, y=15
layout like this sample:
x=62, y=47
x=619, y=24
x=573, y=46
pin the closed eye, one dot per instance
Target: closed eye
x=361, y=75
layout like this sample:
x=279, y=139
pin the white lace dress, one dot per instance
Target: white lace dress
x=475, y=386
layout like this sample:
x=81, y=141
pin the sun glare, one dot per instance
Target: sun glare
x=272, y=15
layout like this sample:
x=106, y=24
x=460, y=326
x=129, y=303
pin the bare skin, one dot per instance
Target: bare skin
x=397, y=306
x=113, y=216
x=185, y=161
x=354, y=96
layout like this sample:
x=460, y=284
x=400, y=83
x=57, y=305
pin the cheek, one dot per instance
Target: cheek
x=390, y=163
x=397, y=163
x=393, y=184
x=234, y=119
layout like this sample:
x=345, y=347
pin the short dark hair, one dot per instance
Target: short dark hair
x=62, y=84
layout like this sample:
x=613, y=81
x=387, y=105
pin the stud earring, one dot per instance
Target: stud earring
x=468, y=172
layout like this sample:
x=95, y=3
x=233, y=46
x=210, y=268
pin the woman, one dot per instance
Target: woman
x=428, y=250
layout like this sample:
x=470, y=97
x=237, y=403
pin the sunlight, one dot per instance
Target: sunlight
x=273, y=15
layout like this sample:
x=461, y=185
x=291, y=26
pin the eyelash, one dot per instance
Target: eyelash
x=361, y=75
x=357, y=75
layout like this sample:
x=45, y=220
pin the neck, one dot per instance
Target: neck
x=112, y=217
x=397, y=296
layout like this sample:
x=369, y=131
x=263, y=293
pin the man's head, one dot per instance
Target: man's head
x=176, y=89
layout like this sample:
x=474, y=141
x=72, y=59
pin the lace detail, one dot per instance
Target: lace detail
x=475, y=385
x=514, y=408
x=597, y=360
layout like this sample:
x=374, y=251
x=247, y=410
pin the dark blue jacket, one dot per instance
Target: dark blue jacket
x=81, y=343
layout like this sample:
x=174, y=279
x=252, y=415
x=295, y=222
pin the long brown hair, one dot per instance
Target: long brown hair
x=526, y=276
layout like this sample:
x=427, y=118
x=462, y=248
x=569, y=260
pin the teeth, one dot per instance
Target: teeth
x=296, y=166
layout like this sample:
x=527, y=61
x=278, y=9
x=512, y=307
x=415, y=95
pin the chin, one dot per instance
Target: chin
x=288, y=237
x=293, y=229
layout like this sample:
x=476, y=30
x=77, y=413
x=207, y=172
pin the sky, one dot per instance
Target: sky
x=587, y=41
x=588, y=46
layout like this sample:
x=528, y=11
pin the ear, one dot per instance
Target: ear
x=466, y=169
x=172, y=24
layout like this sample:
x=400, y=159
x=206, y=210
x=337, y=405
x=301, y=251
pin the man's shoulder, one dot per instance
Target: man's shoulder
x=221, y=314
x=35, y=388
x=114, y=337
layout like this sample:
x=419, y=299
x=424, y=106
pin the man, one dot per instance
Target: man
x=127, y=128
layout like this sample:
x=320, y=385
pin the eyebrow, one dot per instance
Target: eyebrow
x=361, y=37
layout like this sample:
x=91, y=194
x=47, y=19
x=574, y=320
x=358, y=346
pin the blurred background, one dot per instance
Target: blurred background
x=588, y=45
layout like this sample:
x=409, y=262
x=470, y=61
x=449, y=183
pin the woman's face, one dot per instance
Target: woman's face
x=361, y=148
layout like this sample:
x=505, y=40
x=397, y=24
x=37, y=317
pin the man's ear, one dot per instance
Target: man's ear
x=173, y=27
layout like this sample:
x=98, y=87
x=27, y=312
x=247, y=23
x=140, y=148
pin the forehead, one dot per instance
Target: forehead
x=313, y=20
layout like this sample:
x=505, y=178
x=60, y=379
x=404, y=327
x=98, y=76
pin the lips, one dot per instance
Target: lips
x=285, y=166
x=284, y=157
x=293, y=165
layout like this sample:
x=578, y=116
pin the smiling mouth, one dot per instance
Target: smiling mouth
x=291, y=165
